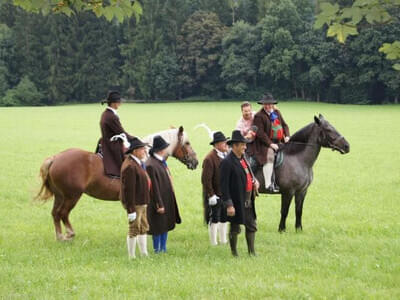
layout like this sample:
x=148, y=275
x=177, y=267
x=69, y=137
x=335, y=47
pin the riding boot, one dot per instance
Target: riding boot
x=212, y=230
x=233, y=243
x=131, y=243
x=250, y=237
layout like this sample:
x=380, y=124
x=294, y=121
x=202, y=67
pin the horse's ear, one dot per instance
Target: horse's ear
x=180, y=130
x=321, y=117
x=317, y=120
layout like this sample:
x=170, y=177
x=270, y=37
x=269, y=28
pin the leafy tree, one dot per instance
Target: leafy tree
x=25, y=93
x=199, y=46
x=110, y=9
x=345, y=20
x=239, y=59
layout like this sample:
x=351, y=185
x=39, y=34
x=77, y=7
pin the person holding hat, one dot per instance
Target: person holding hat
x=214, y=214
x=110, y=125
x=272, y=130
x=162, y=213
x=238, y=186
x=135, y=195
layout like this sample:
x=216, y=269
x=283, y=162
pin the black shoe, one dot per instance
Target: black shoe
x=273, y=189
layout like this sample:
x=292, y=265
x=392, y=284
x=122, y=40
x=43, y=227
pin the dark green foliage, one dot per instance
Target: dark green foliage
x=25, y=93
x=210, y=49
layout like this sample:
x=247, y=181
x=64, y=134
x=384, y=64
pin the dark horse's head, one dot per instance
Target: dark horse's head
x=184, y=152
x=330, y=137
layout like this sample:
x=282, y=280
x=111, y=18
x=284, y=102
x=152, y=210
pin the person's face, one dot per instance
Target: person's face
x=115, y=105
x=221, y=146
x=163, y=153
x=239, y=149
x=268, y=107
x=246, y=112
x=140, y=153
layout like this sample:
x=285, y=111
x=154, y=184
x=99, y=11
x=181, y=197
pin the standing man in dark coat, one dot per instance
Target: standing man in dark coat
x=163, y=211
x=238, y=186
x=272, y=130
x=135, y=195
x=112, y=134
x=214, y=212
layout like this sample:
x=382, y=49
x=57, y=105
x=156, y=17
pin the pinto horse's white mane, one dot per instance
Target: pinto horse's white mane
x=170, y=136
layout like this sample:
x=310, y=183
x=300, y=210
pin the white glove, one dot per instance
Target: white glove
x=287, y=139
x=132, y=217
x=123, y=137
x=213, y=200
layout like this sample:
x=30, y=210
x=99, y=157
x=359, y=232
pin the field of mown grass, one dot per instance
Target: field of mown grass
x=349, y=248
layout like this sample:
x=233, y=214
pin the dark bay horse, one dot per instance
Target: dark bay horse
x=69, y=174
x=295, y=174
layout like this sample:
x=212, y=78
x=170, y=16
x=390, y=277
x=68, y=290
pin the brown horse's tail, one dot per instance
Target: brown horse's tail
x=45, y=192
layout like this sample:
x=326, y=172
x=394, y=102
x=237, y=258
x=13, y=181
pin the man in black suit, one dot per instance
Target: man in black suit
x=238, y=187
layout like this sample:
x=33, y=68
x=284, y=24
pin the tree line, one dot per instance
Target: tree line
x=199, y=49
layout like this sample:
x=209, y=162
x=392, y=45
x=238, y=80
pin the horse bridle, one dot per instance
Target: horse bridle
x=180, y=146
x=331, y=143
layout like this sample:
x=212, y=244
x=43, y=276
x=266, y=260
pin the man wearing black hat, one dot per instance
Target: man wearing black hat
x=214, y=214
x=112, y=147
x=135, y=195
x=272, y=130
x=238, y=186
x=163, y=211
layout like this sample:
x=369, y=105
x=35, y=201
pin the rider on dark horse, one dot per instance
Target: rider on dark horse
x=272, y=130
x=112, y=134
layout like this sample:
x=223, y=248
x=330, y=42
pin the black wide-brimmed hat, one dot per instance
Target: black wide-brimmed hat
x=135, y=143
x=218, y=136
x=237, y=137
x=158, y=144
x=112, y=97
x=267, y=98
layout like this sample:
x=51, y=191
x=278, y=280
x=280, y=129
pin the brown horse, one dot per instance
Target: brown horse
x=69, y=174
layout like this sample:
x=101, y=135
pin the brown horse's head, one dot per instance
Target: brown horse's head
x=330, y=137
x=184, y=152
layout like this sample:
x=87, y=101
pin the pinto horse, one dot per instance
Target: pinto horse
x=295, y=174
x=69, y=174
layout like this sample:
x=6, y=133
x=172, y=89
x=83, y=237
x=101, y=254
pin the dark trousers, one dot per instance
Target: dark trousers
x=249, y=218
x=218, y=213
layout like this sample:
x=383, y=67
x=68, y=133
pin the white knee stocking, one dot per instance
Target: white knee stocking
x=267, y=171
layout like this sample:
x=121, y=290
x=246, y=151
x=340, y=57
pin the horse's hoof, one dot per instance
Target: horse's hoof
x=299, y=229
x=282, y=230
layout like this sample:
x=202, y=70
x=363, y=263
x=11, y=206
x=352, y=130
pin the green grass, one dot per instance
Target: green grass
x=349, y=249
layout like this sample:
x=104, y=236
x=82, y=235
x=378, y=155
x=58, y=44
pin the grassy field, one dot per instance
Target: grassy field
x=349, y=248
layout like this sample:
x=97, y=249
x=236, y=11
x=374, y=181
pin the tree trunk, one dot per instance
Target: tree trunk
x=396, y=99
x=317, y=96
x=303, y=94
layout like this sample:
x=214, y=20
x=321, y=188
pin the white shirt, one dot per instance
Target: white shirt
x=137, y=159
x=113, y=110
x=220, y=154
x=159, y=157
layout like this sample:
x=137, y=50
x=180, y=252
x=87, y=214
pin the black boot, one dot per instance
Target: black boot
x=250, y=237
x=273, y=189
x=233, y=243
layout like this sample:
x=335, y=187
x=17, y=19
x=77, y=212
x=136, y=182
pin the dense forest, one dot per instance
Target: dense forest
x=192, y=49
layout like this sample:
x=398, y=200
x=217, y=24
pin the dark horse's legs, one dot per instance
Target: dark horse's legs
x=286, y=198
x=299, y=200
